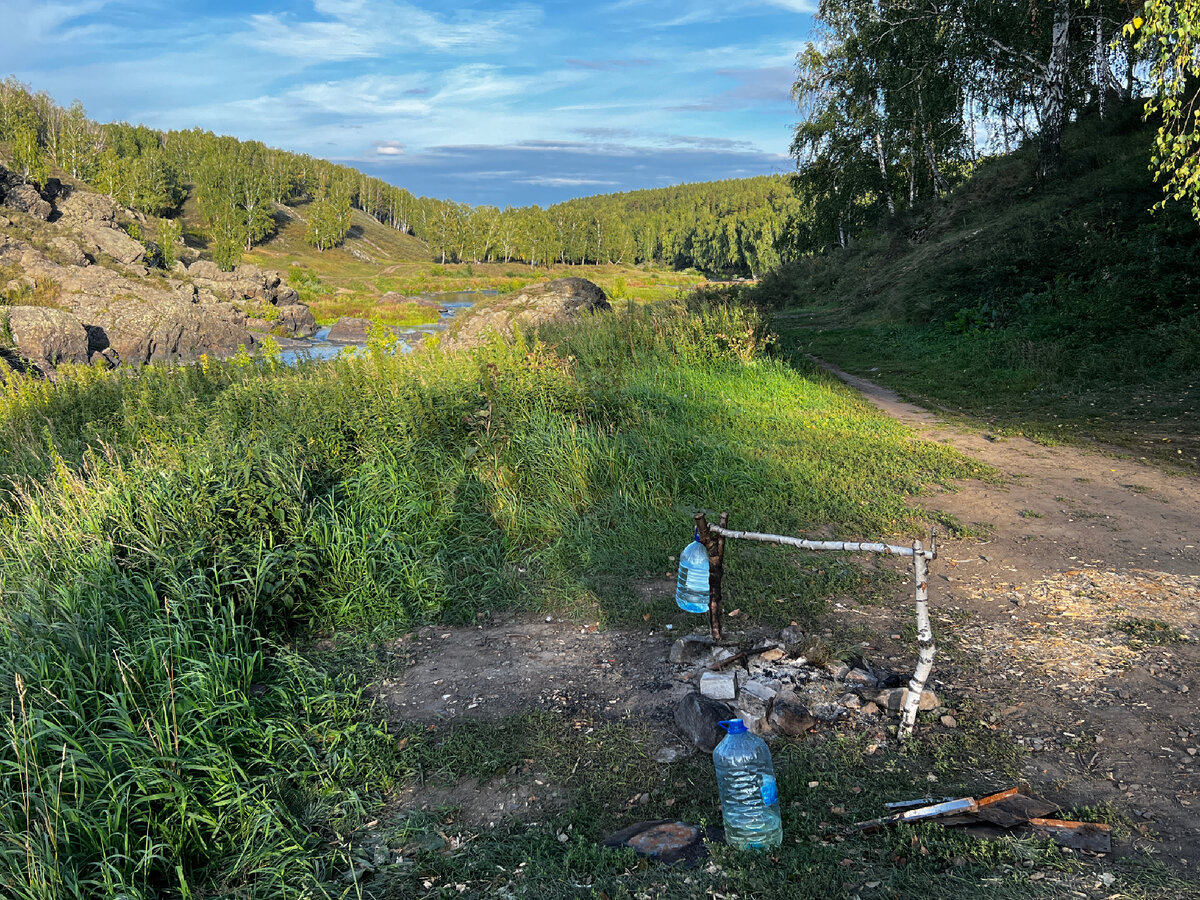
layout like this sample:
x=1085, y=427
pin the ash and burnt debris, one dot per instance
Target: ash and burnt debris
x=783, y=686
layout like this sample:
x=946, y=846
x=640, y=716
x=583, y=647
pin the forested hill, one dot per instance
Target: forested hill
x=737, y=227
x=740, y=226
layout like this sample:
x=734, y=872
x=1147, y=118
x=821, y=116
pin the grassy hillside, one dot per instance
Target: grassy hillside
x=1064, y=310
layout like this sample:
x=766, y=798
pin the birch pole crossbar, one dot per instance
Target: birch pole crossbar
x=714, y=536
x=842, y=546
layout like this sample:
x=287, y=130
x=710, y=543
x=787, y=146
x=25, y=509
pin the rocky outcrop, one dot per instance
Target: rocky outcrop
x=47, y=337
x=69, y=252
x=173, y=329
x=560, y=300
x=120, y=311
x=93, y=217
x=245, y=281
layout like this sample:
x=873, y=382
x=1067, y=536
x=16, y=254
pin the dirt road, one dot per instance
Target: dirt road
x=1073, y=619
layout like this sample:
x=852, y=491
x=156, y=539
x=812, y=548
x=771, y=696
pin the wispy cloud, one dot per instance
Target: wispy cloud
x=388, y=148
x=567, y=181
x=771, y=85
x=360, y=29
x=608, y=64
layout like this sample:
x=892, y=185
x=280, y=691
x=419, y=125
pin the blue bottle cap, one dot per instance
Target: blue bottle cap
x=734, y=726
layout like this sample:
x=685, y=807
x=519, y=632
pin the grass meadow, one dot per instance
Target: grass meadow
x=174, y=538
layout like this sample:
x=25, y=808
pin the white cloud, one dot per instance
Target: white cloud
x=358, y=29
x=797, y=6
x=548, y=181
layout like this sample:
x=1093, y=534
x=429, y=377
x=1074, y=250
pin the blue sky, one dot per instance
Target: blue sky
x=506, y=103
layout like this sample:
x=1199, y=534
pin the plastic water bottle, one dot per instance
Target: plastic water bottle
x=749, y=794
x=691, y=590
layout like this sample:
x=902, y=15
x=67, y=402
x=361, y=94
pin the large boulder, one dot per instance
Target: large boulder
x=560, y=300
x=68, y=251
x=115, y=242
x=350, y=329
x=25, y=198
x=245, y=282
x=84, y=208
x=297, y=319
x=47, y=337
x=171, y=329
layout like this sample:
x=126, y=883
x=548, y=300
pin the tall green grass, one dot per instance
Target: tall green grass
x=167, y=530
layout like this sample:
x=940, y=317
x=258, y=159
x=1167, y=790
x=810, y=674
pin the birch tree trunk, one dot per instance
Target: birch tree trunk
x=883, y=173
x=1054, y=87
x=1100, y=60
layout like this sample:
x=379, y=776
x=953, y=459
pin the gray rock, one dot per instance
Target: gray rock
x=83, y=208
x=115, y=242
x=790, y=716
x=754, y=698
x=850, y=701
x=69, y=252
x=756, y=724
x=141, y=333
x=206, y=269
x=47, y=337
x=893, y=700
x=860, y=676
x=25, y=198
x=297, y=319
x=696, y=717
x=350, y=329
x=560, y=300
x=828, y=712
x=792, y=637
x=718, y=685
x=721, y=654
x=691, y=649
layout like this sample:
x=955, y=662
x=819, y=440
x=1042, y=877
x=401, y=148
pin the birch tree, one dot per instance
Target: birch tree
x=1168, y=33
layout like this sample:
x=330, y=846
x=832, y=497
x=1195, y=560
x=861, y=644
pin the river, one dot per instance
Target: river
x=320, y=347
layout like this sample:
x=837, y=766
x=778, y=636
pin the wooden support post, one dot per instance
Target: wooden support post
x=715, y=545
x=926, y=646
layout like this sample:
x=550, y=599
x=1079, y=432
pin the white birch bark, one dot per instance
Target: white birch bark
x=883, y=173
x=1054, y=88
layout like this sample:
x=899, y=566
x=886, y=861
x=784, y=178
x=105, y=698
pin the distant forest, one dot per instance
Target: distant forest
x=736, y=227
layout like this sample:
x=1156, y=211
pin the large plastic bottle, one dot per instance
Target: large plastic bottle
x=691, y=590
x=749, y=795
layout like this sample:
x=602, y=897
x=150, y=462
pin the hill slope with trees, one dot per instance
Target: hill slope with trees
x=237, y=190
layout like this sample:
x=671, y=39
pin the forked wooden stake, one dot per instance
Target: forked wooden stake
x=715, y=545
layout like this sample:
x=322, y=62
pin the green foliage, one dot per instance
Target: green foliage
x=1064, y=311
x=1150, y=632
x=168, y=234
x=899, y=103
x=328, y=222
x=154, y=746
x=1168, y=32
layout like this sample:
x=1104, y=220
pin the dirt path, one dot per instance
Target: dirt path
x=1067, y=620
